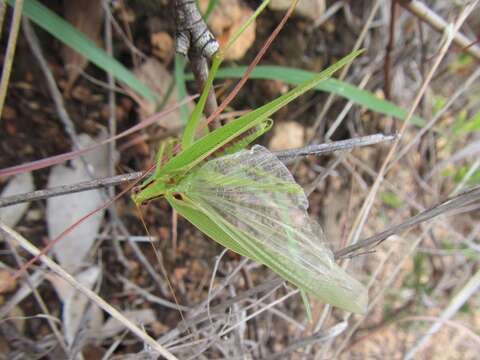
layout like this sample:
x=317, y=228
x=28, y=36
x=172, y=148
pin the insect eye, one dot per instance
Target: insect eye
x=178, y=196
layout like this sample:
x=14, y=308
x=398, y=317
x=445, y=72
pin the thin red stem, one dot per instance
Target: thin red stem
x=52, y=243
x=217, y=112
x=247, y=74
x=250, y=68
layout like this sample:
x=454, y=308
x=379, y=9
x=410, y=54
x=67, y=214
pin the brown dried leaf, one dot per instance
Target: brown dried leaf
x=112, y=326
x=154, y=74
x=74, y=248
x=86, y=16
x=76, y=312
x=7, y=282
x=19, y=184
x=226, y=19
x=311, y=9
x=162, y=44
x=17, y=318
x=287, y=135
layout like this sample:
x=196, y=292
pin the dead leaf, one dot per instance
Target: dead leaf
x=63, y=211
x=147, y=354
x=226, y=19
x=19, y=184
x=141, y=317
x=17, y=317
x=7, y=282
x=75, y=303
x=287, y=135
x=87, y=17
x=311, y=9
x=162, y=44
x=154, y=74
x=93, y=351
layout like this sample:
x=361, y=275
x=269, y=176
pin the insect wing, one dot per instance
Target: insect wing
x=254, y=199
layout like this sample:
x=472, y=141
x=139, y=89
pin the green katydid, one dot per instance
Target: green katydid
x=249, y=202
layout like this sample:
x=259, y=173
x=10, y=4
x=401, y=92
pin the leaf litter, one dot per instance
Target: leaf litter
x=72, y=252
x=19, y=184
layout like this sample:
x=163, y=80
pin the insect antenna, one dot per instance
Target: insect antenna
x=159, y=256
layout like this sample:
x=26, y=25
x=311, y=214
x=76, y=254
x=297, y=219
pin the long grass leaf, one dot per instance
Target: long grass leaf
x=297, y=76
x=208, y=144
x=78, y=41
x=180, y=63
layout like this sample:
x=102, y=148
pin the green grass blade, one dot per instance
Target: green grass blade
x=194, y=121
x=212, y=4
x=78, y=41
x=179, y=74
x=208, y=144
x=297, y=76
x=189, y=133
x=463, y=126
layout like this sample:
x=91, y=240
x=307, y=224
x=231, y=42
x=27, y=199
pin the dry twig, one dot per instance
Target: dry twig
x=26, y=245
x=424, y=13
x=120, y=179
x=466, y=201
x=11, y=46
x=195, y=40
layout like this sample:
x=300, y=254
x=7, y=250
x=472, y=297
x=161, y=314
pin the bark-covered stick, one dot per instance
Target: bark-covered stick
x=120, y=179
x=194, y=40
